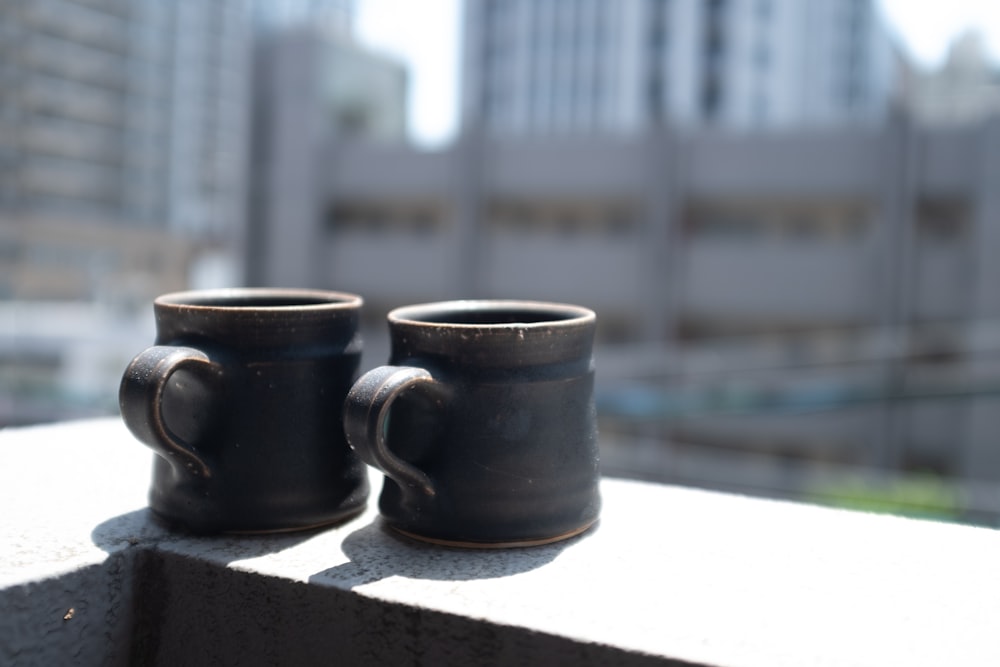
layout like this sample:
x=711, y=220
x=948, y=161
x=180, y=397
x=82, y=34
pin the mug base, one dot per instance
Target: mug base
x=325, y=523
x=180, y=525
x=502, y=544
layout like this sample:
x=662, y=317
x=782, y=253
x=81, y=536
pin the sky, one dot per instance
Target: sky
x=424, y=35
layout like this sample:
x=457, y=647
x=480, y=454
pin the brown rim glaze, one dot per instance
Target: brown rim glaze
x=506, y=544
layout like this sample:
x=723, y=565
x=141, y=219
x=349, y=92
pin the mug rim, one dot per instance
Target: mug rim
x=419, y=314
x=209, y=299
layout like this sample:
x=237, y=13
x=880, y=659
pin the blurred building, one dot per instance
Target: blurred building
x=122, y=114
x=125, y=110
x=313, y=88
x=572, y=66
x=122, y=176
x=964, y=89
x=775, y=308
x=769, y=305
x=125, y=156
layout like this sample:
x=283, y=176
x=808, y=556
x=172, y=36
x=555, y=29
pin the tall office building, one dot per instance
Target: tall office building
x=124, y=110
x=122, y=138
x=565, y=66
x=124, y=152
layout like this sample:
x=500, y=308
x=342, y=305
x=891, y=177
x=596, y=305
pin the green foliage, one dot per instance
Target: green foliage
x=918, y=496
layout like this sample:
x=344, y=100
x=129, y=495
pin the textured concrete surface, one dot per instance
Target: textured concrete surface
x=670, y=576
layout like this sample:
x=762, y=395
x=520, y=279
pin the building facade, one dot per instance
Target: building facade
x=964, y=89
x=794, y=303
x=124, y=111
x=312, y=89
x=125, y=162
x=118, y=115
x=122, y=176
x=579, y=66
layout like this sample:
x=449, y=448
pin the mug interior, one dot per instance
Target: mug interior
x=486, y=313
x=494, y=316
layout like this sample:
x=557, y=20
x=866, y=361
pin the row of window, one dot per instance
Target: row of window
x=933, y=218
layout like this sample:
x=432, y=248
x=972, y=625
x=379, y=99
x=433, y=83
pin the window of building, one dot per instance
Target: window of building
x=620, y=222
x=654, y=97
x=711, y=98
x=713, y=53
x=942, y=220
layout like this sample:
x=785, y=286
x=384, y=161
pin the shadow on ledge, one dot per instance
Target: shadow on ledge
x=377, y=552
x=141, y=528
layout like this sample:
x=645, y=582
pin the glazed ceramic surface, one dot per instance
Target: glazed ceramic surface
x=484, y=422
x=241, y=399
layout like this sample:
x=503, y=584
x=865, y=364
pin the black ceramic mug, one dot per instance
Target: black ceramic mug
x=241, y=398
x=484, y=423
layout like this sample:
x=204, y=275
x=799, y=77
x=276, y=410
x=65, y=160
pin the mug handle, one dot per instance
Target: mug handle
x=366, y=410
x=140, y=398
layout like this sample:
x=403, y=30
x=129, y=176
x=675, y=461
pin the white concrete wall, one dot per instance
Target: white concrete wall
x=670, y=576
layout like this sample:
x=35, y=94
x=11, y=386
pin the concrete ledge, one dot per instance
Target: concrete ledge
x=670, y=576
